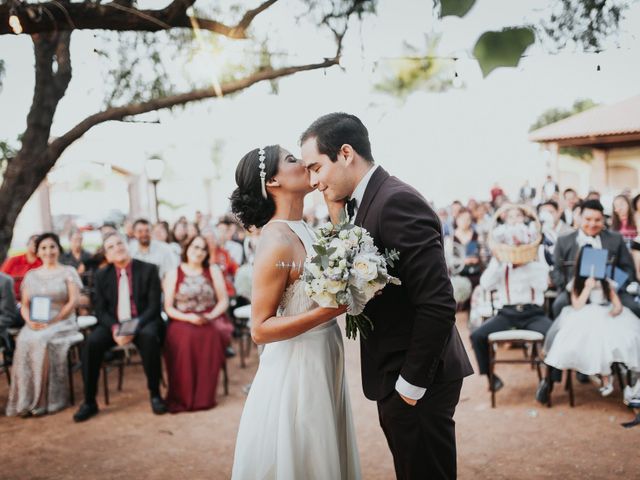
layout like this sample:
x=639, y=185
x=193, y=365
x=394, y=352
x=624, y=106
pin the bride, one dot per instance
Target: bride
x=297, y=421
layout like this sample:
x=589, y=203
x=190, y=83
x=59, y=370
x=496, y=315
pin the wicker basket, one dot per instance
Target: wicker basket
x=515, y=254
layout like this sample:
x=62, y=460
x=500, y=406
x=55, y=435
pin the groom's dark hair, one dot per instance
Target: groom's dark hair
x=333, y=130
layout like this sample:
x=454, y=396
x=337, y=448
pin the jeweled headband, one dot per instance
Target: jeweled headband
x=263, y=174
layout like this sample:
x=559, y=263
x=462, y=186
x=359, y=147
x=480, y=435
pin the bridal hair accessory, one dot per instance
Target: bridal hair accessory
x=263, y=174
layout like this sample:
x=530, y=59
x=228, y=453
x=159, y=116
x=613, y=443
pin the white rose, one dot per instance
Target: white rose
x=340, y=249
x=307, y=289
x=365, y=268
x=314, y=270
x=334, y=286
x=370, y=288
x=342, y=264
x=326, y=299
x=343, y=235
x=317, y=285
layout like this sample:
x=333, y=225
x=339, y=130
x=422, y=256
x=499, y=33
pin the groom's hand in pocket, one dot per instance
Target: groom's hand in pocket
x=408, y=400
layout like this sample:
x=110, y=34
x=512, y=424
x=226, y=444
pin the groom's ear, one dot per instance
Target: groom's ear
x=348, y=153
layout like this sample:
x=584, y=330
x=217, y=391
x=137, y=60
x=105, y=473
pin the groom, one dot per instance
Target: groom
x=413, y=362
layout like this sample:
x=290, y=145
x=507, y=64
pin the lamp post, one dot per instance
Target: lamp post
x=154, y=168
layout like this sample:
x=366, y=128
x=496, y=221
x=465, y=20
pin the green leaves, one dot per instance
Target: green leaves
x=502, y=49
x=458, y=8
x=358, y=323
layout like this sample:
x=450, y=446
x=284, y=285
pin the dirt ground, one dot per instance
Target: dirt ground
x=517, y=440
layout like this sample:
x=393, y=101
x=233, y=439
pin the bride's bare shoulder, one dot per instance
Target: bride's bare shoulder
x=275, y=239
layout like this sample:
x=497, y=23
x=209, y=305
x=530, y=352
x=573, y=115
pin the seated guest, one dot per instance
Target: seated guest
x=465, y=235
x=594, y=331
x=552, y=228
x=17, y=266
x=195, y=298
x=571, y=201
x=220, y=257
x=145, y=249
x=521, y=290
x=77, y=257
x=161, y=233
x=623, y=220
x=8, y=315
x=226, y=230
x=124, y=290
x=592, y=233
x=39, y=376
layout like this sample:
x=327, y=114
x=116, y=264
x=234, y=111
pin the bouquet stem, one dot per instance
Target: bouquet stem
x=358, y=323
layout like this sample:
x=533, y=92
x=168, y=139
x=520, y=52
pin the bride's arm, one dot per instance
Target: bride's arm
x=269, y=283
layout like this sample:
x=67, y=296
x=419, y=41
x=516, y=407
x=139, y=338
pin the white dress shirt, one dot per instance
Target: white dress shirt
x=402, y=386
x=526, y=283
x=583, y=239
x=158, y=253
x=358, y=193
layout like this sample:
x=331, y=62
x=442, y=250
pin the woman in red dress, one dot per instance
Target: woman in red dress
x=195, y=299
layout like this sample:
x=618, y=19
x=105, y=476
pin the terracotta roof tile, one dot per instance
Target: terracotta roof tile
x=617, y=119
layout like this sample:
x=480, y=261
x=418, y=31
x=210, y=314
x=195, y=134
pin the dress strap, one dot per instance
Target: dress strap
x=304, y=232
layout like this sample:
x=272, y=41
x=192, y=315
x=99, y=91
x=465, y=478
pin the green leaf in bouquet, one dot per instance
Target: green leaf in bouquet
x=331, y=251
x=324, y=261
x=320, y=250
x=317, y=260
x=391, y=257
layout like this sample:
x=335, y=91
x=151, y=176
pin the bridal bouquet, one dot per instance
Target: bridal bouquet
x=347, y=269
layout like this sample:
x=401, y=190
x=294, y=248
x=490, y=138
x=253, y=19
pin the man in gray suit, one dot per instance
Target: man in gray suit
x=592, y=233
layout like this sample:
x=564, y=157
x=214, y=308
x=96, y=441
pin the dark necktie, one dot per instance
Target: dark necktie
x=351, y=208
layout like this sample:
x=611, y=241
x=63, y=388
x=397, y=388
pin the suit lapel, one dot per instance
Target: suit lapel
x=375, y=182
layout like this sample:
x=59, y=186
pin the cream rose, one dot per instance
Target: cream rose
x=326, y=300
x=365, y=268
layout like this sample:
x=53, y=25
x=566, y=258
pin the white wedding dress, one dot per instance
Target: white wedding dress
x=297, y=421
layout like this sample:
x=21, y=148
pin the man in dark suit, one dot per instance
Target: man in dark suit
x=125, y=289
x=591, y=232
x=413, y=361
x=9, y=316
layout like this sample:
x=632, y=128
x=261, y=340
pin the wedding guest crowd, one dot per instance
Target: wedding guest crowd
x=187, y=273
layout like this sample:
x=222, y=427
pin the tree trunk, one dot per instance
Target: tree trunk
x=30, y=166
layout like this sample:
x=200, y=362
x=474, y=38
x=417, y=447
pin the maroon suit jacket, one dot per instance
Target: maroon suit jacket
x=414, y=331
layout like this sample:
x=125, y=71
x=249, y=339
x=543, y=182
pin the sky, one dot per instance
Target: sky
x=451, y=145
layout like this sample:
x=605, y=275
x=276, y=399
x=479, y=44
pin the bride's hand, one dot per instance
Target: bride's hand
x=327, y=313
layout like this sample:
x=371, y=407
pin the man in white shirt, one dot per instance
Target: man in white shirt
x=521, y=292
x=151, y=251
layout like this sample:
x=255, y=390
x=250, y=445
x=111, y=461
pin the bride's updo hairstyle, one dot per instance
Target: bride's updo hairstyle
x=247, y=201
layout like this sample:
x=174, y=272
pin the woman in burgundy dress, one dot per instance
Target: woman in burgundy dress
x=195, y=299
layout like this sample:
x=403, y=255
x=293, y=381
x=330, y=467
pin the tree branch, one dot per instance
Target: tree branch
x=54, y=16
x=118, y=113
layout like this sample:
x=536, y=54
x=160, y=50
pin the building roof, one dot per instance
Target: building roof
x=605, y=124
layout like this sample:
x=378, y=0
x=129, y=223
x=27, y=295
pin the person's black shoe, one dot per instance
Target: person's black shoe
x=157, y=406
x=497, y=384
x=543, y=391
x=85, y=412
x=582, y=378
x=229, y=352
